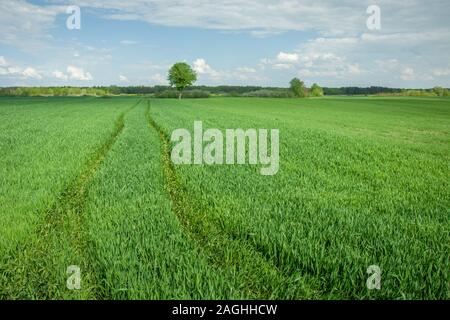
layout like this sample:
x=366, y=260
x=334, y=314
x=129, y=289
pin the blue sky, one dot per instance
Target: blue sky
x=256, y=42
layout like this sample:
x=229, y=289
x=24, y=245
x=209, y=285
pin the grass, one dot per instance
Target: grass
x=89, y=182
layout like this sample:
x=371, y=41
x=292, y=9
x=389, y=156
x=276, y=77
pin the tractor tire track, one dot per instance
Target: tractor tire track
x=62, y=240
x=256, y=277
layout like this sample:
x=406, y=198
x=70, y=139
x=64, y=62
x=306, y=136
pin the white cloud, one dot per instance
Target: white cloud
x=282, y=66
x=265, y=33
x=158, y=79
x=414, y=32
x=405, y=38
x=441, y=72
x=201, y=67
x=354, y=69
x=123, y=79
x=25, y=25
x=287, y=57
x=408, y=74
x=237, y=75
x=309, y=62
x=303, y=57
x=387, y=65
x=6, y=69
x=73, y=73
x=76, y=73
x=3, y=71
x=262, y=18
x=59, y=75
x=317, y=73
x=128, y=42
x=31, y=73
x=204, y=69
x=246, y=70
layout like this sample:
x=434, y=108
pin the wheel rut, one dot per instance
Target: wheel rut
x=40, y=270
x=254, y=276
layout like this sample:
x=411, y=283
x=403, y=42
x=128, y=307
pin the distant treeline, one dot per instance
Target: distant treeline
x=157, y=91
x=383, y=91
x=206, y=91
x=350, y=91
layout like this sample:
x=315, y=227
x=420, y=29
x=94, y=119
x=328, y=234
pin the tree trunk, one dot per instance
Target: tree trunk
x=181, y=94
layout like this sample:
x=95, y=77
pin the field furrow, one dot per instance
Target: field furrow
x=138, y=247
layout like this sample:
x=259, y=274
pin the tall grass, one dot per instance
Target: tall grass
x=362, y=182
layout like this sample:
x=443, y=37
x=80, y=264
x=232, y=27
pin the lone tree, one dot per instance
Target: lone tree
x=181, y=76
x=298, y=88
x=316, y=90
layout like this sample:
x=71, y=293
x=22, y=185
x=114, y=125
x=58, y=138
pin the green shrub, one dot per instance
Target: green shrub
x=196, y=94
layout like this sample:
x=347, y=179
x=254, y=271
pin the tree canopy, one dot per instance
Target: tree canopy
x=298, y=88
x=441, y=92
x=181, y=76
x=316, y=90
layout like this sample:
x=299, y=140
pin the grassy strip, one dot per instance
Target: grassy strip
x=258, y=277
x=40, y=271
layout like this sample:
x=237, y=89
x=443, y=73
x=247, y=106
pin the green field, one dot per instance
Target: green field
x=89, y=182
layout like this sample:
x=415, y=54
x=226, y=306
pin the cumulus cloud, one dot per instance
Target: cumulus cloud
x=76, y=73
x=7, y=69
x=31, y=73
x=287, y=57
x=306, y=57
x=59, y=75
x=310, y=63
x=201, y=67
x=232, y=76
x=72, y=73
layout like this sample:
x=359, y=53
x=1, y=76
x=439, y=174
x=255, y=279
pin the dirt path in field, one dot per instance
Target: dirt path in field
x=40, y=270
x=255, y=276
